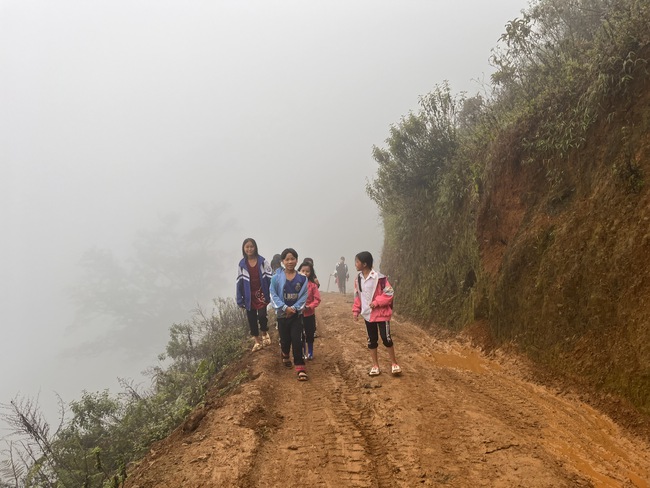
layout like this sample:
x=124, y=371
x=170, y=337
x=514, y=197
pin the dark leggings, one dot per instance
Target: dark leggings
x=342, y=284
x=374, y=329
x=253, y=317
x=310, y=328
x=291, y=337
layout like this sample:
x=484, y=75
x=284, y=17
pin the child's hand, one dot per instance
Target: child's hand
x=290, y=311
x=356, y=317
x=373, y=304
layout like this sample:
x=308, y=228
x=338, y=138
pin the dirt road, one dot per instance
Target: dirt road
x=453, y=418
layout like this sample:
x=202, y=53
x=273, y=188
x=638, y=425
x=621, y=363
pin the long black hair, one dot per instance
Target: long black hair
x=313, y=271
x=276, y=262
x=312, y=275
x=246, y=241
x=365, y=258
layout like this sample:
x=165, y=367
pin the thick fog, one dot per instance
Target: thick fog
x=141, y=142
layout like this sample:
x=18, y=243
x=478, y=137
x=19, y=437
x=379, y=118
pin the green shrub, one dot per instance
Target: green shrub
x=106, y=431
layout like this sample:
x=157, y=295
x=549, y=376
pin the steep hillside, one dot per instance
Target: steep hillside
x=565, y=258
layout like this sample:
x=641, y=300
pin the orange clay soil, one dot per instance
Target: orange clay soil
x=453, y=418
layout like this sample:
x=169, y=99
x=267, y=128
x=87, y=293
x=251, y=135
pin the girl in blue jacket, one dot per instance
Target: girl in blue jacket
x=288, y=297
x=253, y=282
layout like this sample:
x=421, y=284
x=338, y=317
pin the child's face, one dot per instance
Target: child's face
x=249, y=249
x=358, y=264
x=305, y=271
x=290, y=262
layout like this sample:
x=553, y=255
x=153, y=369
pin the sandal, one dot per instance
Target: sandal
x=396, y=369
x=256, y=347
x=266, y=339
x=286, y=361
x=302, y=376
x=374, y=371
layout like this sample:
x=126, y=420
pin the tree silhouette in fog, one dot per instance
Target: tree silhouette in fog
x=170, y=270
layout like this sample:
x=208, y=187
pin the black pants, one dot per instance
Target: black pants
x=290, y=330
x=342, y=281
x=310, y=328
x=374, y=329
x=253, y=317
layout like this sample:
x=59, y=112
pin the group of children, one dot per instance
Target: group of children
x=292, y=290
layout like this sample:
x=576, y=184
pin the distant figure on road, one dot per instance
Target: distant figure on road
x=342, y=274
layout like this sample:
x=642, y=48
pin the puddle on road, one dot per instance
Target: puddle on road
x=466, y=359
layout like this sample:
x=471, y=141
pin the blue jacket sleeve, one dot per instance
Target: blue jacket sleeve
x=239, y=293
x=277, y=283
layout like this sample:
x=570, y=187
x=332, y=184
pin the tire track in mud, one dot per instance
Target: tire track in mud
x=410, y=449
x=337, y=438
x=375, y=445
x=331, y=432
x=424, y=423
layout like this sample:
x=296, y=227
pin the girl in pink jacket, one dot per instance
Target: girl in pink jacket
x=308, y=315
x=373, y=300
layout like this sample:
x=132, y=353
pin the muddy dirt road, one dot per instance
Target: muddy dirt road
x=453, y=418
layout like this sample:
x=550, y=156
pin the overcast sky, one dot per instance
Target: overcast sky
x=116, y=113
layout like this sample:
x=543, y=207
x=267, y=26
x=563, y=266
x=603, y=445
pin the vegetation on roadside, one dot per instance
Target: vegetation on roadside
x=105, y=432
x=423, y=186
x=483, y=198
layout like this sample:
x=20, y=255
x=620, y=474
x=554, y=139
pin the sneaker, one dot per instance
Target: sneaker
x=266, y=339
x=310, y=357
x=374, y=371
x=396, y=369
x=257, y=347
